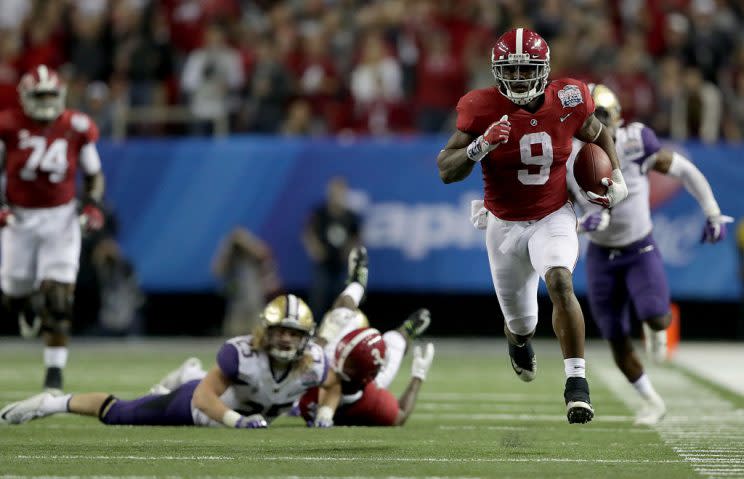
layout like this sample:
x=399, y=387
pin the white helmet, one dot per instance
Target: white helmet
x=42, y=94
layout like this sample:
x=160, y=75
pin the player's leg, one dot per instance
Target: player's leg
x=515, y=282
x=18, y=277
x=650, y=295
x=189, y=370
x=345, y=316
x=397, y=342
x=57, y=268
x=554, y=249
x=56, y=322
x=47, y=404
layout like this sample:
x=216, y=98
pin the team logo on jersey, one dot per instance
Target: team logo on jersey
x=570, y=96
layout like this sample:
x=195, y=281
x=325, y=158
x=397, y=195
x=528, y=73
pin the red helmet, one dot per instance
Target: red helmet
x=42, y=93
x=360, y=355
x=520, y=62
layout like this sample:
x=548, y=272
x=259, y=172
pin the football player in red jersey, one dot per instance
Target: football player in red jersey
x=44, y=145
x=367, y=361
x=521, y=131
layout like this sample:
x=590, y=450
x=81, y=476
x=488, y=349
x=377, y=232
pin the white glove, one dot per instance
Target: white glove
x=324, y=417
x=617, y=191
x=422, y=361
x=478, y=214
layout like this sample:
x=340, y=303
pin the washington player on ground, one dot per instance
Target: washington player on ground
x=366, y=361
x=624, y=266
x=44, y=145
x=520, y=131
x=257, y=378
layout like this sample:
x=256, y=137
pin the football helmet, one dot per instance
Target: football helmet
x=42, y=94
x=287, y=312
x=607, y=107
x=520, y=62
x=360, y=355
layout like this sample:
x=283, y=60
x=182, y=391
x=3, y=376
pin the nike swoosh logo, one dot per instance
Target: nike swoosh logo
x=5, y=414
x=563, y=118
x=646, y=249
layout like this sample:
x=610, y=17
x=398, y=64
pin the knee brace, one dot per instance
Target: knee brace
x=58, y=309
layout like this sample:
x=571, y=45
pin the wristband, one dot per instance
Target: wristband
x=477, y=149
x=231, y=418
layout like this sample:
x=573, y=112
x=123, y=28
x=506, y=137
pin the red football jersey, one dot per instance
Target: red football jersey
x=525, y=178
x=41, y=159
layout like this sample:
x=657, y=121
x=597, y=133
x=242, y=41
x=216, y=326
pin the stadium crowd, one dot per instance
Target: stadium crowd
x=335, y=66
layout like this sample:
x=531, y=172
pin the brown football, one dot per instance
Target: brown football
x=591, y=165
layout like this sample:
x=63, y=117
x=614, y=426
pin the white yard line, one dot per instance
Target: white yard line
x=512, y=417
x=705, y=430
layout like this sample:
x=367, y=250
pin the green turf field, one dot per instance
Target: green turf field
x=474, y=419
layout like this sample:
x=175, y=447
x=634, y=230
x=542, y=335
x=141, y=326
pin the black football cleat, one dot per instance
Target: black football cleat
x=578, y=406
x=523, y=361
x=415, y=325
x=358, y=266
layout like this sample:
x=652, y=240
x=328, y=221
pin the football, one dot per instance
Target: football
x=591, y=165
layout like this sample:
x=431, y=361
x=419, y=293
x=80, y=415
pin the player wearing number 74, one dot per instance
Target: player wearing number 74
x=44, y=145
x=521, y=131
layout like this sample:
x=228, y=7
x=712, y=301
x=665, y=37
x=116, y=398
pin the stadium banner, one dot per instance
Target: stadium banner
x=176, y=199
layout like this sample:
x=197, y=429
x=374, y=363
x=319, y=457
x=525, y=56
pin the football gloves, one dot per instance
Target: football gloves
x=617, y=191
x=91, y=217
x=594, y=221
x=422, y=359
x=254, y=421
x=6, y=217
x=324, y=417
x=715, y=228
x=495, y=135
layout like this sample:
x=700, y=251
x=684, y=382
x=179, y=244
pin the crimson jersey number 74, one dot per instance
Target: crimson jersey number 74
x=50, y=159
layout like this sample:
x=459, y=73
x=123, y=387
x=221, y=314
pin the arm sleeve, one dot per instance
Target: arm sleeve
x=90, y=162
x=695, y=183
x=228, y=360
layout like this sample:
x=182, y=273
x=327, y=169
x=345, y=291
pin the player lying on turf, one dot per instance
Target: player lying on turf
x=624, y=265
x=366, y=361
x=257, y=377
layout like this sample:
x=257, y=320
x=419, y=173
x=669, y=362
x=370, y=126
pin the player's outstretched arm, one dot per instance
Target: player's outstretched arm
x=207, y=399
x=453, y=162
x=422, y=359
x=329, y=395
x=673, y=164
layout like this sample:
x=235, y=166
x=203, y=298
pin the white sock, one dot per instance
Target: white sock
x=645, y=388
x=396, y=348
x=55, y=357
x=55, y=404
x=355, y=291
x=575, y=367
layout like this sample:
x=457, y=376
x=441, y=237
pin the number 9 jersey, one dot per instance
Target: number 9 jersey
x=41, y=159
x=525, y=178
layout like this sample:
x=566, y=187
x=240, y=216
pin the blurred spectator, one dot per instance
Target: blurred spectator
x=696, y=109
x=120, y=295
x=245, y=266
x=440, y=81
x=368, y=66
x=376, y=85
x=299, y=120
x=330, y=233
x=269, y=92
x=212, y=77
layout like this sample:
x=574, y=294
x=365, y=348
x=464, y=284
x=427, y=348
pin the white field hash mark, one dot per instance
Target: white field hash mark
x=708, y=437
